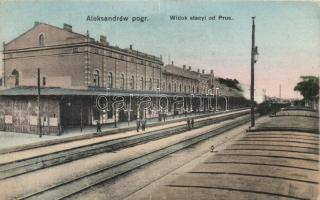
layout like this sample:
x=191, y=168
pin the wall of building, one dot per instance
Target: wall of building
x=66, y=61
x=119, y=65
x=60, y=68
x=19, y=114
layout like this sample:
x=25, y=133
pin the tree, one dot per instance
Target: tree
x=308, y=88
x=230, y=83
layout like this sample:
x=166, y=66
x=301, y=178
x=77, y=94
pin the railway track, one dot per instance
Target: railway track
x=72, y=187
x=24, y=166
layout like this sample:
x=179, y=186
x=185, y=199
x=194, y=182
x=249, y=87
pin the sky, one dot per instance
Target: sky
x=287, y=34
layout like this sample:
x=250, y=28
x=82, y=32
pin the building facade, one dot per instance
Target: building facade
x=75, y=69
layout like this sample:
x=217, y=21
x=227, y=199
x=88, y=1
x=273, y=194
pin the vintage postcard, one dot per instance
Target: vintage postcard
x=159, y=99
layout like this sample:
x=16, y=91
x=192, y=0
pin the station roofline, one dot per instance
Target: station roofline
x=92, y=91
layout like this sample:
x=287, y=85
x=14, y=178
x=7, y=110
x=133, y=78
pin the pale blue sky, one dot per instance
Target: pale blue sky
x=287, y=33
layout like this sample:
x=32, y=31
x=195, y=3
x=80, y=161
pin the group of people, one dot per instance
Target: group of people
x=162, y=117
x=141, y=123
x=190, y=122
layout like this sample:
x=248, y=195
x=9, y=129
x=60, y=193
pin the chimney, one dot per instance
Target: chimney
x=67, y=27
x=189, y=68
x=36, y=23
x=203, y=71
x=130, y=47
x=184, y=67
x=198, y=70
x=103, y=39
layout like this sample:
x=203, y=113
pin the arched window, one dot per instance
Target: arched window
x=141, y=83
x=132, y=82
x=110, y=80
x=122, y=81
x=169, y=87
x=15, y=73
x=150, y=84
x=96, y=78
x=41, y=40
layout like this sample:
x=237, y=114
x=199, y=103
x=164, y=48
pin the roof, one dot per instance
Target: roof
x=175, y=70
x=56, y=91
x=93, y=41
x=39, y=23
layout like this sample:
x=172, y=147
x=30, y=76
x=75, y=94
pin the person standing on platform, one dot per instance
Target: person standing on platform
x=98, y=126
x=138, y=125
x=144, y=124
x=192, y=122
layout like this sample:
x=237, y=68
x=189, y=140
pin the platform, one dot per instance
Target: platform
x=11, y=142
x=264, y=164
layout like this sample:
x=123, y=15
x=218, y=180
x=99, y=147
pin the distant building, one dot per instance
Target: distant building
x=75, y=69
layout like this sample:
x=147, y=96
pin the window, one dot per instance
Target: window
x=132, y=82
x=108, y=53
x=158, y=83
x=164, y=86
x=96, y=78
x=41, y=40
x=169, y=87
x=15, y=74
x=110, y=80
x=141, y=83
x=185, y=89
x=175, y=87
x=44, y=81
x=150, y=84
x=122, y=81
x=180, y=89
x=95, y=50
x=193, y=89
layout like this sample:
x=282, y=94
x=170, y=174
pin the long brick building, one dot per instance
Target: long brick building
x=76, y=69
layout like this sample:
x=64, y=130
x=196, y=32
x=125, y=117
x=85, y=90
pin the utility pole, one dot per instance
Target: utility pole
x=81, y=118
x=254, y=52
x=39, y=116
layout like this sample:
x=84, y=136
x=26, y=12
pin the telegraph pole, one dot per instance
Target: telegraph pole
x=39, y=116
x=254, y=52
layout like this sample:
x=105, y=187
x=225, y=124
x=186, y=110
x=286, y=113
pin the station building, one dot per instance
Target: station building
x=75, y=70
